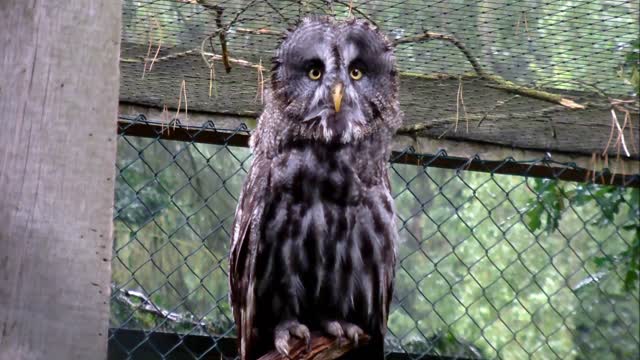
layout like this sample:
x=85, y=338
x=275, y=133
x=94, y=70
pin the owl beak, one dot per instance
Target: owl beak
x=337, y=93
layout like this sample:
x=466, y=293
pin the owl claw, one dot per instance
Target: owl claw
x=283, y=333
x=333, y=328
x=302, y=332
x=352, y=331
x=343, y=329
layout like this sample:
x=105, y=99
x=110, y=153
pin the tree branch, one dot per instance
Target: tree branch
x=501, y=83
x=355, y=9
x=262, y=31
x=479, y=118
x=322, y=348
x=428, y=35
x=223, y=39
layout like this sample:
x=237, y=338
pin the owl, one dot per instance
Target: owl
x=314, y=236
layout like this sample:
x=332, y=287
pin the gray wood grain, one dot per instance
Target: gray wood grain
x=58, y=109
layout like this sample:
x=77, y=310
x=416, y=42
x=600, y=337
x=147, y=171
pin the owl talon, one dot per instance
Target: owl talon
x=283, y=333
x=342, y=330
x=333, y=328
x=308, y=344
x=352, y=331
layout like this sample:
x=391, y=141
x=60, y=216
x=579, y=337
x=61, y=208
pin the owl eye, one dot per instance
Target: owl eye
x=356, y=74
x=315, y=74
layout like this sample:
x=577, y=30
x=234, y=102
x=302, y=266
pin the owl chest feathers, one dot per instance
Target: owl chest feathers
x=329, y=226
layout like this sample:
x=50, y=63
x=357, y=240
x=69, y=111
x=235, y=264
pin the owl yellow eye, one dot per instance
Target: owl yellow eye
x=356, y=74
x=315, y=74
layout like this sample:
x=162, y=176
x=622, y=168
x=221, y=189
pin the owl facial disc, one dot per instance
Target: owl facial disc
x=335, y=81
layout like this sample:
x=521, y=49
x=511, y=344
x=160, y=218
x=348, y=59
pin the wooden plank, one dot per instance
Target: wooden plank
x=58, y=109
x=423, y=145
x=494, y=116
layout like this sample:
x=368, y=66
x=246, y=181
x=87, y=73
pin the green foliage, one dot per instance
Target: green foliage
x=630, y=69
x=606, y=323
x=549, y=203
x=617, y=205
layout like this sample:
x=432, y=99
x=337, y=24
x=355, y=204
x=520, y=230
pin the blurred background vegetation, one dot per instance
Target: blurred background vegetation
x=492, y=265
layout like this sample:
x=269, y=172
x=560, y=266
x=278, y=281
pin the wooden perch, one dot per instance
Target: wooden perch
x=322, y=348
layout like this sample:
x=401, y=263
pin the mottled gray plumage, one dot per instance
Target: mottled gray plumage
x=313, y=243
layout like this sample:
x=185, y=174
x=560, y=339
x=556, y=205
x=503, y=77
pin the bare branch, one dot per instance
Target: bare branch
x=262, y=31
x=146, y=305
x=223, y=40
x=428, y=35
x=355, y=9
x=499, y=81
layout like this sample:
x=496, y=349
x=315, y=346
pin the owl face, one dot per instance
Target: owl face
x=334, y=80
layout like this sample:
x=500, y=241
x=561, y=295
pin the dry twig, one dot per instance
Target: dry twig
x=146, y=305
x=262, y=31
x=460, y=101
x=616, y=105
x=260, y=92
x=620, y=139
x=353, y=8
x=183, y=93
x=212, y=79
x=155, y=57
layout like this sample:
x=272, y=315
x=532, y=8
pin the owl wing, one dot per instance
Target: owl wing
x=245, y=237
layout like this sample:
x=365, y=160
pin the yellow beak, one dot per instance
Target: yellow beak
x=337, y=93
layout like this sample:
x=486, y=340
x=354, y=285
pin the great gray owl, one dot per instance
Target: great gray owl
x=313, y=242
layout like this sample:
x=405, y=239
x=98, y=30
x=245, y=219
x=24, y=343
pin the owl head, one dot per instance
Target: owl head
x=335, y=81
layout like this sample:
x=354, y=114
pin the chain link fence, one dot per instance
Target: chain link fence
x=497, y=259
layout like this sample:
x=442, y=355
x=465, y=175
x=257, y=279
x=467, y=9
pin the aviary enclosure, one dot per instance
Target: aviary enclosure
x=515, y=174
x=509, y=258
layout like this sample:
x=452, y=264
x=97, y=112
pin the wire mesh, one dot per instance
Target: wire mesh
x=517, y=59
x=489, y=266
x=499, y=259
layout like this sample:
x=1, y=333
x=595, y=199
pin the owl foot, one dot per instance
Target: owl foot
x=285, y=330
x=342, y=329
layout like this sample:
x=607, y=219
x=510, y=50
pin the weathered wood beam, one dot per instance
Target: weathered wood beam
x=431, y=104
x=58, y=110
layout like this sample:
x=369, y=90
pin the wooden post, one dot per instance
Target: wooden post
x=58, y=111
